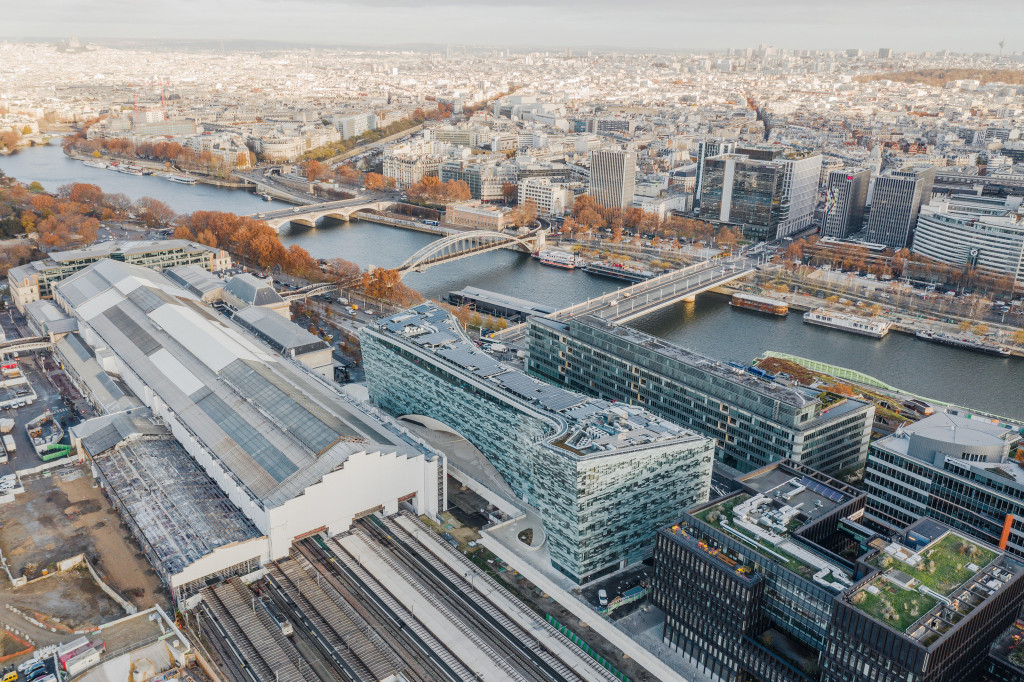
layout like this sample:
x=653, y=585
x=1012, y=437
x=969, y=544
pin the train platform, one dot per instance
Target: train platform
x=528, y=620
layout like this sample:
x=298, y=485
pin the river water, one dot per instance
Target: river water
x=709, y=326
x=52, y=168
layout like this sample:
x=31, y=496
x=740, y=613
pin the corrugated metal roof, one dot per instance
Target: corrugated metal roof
x=275, y=426
x=281, y=333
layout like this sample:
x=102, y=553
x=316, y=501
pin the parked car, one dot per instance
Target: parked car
x=602, y=597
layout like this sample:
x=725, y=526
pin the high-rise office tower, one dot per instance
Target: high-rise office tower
x=799, y=191
x=741, y=191
x=845, y=198
x=612, y=178
x=895, y=203
x=768, y=191
x=705, y=150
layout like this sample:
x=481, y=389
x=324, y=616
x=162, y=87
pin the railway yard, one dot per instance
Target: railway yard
x=389, y=600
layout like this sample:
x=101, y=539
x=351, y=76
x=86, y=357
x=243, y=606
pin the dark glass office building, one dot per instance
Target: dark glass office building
x=745, y=192
x=779, y=581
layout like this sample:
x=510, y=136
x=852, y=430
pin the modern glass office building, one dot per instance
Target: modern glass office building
x=960, y=471
x=755, y=421
x=768, y=191
x=801, y=591
x=603, y=477
x=740, y=191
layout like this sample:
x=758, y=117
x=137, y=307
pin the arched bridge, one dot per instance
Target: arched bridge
x=310, y=215
x=465, y=244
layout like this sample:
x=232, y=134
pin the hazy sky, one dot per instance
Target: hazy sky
x=957, y=25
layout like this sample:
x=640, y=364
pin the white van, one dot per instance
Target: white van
x=602, y=598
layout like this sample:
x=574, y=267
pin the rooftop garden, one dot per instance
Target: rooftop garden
x=897, y=607
x=828, y=399
x=714, y=515
x=945, y=563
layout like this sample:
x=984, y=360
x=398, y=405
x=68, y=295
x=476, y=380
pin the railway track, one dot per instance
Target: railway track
x=227, y=662
x=457, y=574
x=255, y=641
x=425, y=658
x=297, y=599
x=512, y=645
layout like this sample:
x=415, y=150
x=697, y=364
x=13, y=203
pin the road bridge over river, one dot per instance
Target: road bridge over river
x=626, y=305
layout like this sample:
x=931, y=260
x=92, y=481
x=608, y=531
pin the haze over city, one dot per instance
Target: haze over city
x=546, y=341
x=646, y=25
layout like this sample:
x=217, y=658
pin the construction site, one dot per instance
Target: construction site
x=389, y=600
x=174, y=510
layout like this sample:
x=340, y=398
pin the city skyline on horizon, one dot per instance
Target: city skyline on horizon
x=649, y=26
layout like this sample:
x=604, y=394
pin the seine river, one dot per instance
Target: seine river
x=709, y=326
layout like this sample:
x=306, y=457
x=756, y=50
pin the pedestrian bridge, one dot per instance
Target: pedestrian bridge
x=461, y=245
x=24, y=345
x=309, y=290
x=454, y=247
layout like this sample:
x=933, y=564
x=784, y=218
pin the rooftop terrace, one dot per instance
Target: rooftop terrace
x=590, y=425
x=925, y=592
x=767, y=519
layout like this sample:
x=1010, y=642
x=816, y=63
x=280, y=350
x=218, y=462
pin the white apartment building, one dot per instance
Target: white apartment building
x=551, y=198
x=410, y=162
x=354, y=125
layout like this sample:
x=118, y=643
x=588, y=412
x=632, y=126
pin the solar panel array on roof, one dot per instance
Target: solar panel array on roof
x=272, y=460
x=549, y=396
x=466, y=357
x=142, y=339
x=560, y=400
x=821, y=489
x=432, y=314
x=436, y=338
x=398, y=325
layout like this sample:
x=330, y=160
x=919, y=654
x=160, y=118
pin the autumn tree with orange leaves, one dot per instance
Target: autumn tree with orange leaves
x=378, y=182
x=387, y=285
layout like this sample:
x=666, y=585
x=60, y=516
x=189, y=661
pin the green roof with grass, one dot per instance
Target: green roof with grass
x=945, y=566
x=945, y=563
x=893, y=605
